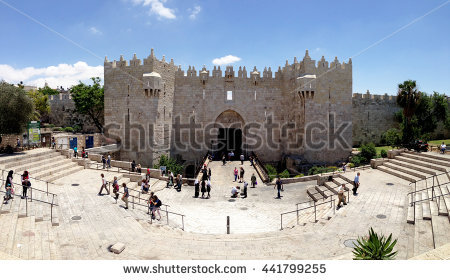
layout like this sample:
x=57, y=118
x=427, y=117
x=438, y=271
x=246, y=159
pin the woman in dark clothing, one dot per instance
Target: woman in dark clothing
x=203, y=189
x=25, y=184
x=208, y=188
x=9, y=186
x=197, y=188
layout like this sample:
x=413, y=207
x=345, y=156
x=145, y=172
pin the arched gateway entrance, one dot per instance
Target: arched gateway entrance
x=229, y=138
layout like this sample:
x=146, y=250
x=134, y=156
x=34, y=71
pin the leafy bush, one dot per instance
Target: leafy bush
x=285, y=174
x=375, y=247
x=271, y=170
x=393, y=137
x=171, y=164
x=351, y=165
x=77, y=128
x=321, y=169
x=68, y=129
x=357, y=160
x=299, y=175
x=383, y=153
x=368, y=151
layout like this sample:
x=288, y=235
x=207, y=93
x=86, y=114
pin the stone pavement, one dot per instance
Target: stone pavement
x=90, y=224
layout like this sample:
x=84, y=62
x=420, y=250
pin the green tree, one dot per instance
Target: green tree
x=16, y=109
x=393, y=137
x=408, y=99
x=46, y=90
x=368, y=151
x=41, y=105
x=89, y=100
x=170, y=164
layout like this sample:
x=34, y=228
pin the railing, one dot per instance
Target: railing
x=46, y=182
x=265, y=174
x=31, y=190
x=332, y=202
x=199, y=167
x=315, y=204
x=99, y=166
x=432, y=176
x=139, y=199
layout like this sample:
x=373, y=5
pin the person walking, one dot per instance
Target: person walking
x=9, y=187
x=116, y=188
x=197, y=188
x=75, y=151
x=356, y=184
x=244, y=192
x=279, y=186
x=253, y=180
x=170, y=180
x=147, y=176
x=241, y=175
x=156, y=206
x=208, y=188
x=203, y=188
x=103, y=185
x=180, y=182
x=150, y=203
x=25, y=184
x=104, y=161
x=209, y=174
x=109, y=161
x=242, y=159
x=341, y=196
x=133, y=166
x=235, y=174
x=126, y=194
x=224, y=160
x=204, y=174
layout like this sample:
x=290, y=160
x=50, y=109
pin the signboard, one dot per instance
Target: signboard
x=34, y=132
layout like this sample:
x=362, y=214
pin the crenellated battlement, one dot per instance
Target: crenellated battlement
x=368, y=96
x=135, y=62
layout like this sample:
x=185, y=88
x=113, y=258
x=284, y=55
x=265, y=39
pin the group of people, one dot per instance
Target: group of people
x=136, y=168
x=175, y=182
x=106, y=161
x=9, y=186
x=84, y=153
x=154, y=203
x=205, y=183
x=342, y=199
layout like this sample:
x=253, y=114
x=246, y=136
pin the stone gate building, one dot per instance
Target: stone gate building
x=304, y=109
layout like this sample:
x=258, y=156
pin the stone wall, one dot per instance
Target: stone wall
x=143, y=101
x=372, y=116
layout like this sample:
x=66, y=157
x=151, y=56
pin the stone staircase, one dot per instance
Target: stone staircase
x=413, y=166
x=43, y=164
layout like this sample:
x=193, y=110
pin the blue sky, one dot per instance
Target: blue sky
x=260, y=33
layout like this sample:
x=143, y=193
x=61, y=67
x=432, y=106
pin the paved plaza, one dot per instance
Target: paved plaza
x=89, y=224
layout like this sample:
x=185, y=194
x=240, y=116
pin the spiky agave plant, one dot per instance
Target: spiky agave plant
x=375, y=247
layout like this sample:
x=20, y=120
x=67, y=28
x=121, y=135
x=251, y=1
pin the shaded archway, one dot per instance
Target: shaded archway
x=229, y=124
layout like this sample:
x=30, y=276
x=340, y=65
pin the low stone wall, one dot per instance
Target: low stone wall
x=374, y=163
x=393, y=153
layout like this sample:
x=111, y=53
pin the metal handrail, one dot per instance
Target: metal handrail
x=148, y=208
x=33, y=188
x=315, y=204
x=257, y=161
x=432, y=176
x=47, y=182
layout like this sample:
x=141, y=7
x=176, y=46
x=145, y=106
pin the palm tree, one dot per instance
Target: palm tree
x=408, y=98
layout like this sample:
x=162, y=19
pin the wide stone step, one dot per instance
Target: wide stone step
x=432, y=155
x=407, y=170
x=323, y=191
x=29, y=162
x=331, y=186
x=312, y=195
x=415, y=167
x=64, y=165
x=422, y=163
x=339, y=181
x=40, y=166
x=399, y=174
x=26, y=155
x=426, y=159
x=65, y=172
x=426, y=211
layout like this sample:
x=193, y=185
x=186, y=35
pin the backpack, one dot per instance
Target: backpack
x=158, y=203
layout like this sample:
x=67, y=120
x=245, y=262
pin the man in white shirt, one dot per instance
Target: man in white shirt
x=103, y=185
x=356, y=184
x=443, y=147
x=234, y=192
x=341, y=196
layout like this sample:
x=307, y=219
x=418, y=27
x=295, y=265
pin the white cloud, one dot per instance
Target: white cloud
x=95, y=31
x=157, y=7
x=229, y=59
x=194, y=12
x=65, y=75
